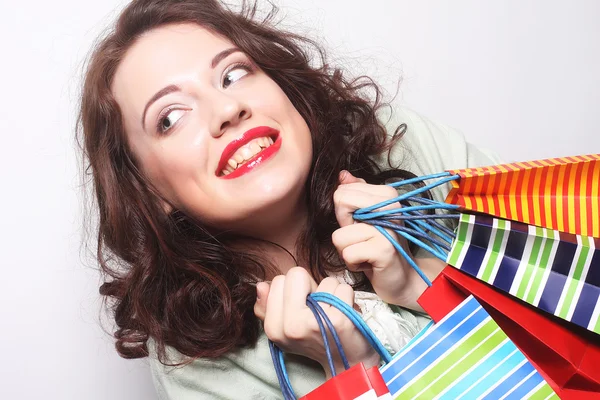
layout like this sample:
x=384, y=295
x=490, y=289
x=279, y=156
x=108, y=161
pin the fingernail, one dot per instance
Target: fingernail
x=258, y=290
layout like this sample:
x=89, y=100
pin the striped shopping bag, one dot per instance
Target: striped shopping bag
x=566, y=355
x=554, y=271
x=567, y=358
x=559, y=193
x=466, y=355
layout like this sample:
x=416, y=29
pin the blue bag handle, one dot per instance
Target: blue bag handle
x=312, y=302
x=416, y=232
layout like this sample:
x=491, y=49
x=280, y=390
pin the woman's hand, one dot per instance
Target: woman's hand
x=290, y=324
x=363, y=248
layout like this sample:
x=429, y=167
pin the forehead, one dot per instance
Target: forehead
x=163, y=56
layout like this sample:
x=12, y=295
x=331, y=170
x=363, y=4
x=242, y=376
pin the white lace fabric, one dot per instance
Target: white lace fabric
x=393, y=329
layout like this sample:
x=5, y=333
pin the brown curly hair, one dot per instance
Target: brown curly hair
x=165, y=276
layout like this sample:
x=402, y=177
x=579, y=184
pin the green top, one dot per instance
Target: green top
x=427, y=147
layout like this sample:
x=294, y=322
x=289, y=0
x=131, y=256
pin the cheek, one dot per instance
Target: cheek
x=275, y=104
x=173, y=166
x=272, y=100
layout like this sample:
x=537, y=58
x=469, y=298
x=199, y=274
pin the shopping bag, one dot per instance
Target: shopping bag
x=559, y=193
x=356, y=383
x=556, y=272
x=464, y=355
x=564, y=354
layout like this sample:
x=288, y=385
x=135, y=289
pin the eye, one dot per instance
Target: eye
x=235, y=73
x=169, y=118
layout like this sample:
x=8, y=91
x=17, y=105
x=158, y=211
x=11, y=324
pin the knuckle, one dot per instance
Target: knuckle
x=348, y=255
x=390, y=192
x=384, y=243
x=278, y=280
x=329, y=281
x=296, y=271
x=294, y=331
x=336, y=236
x=387, y=250
x=273, y=332
x=346, y=288
x=337, y=198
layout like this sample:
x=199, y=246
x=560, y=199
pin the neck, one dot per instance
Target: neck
x=283, y=226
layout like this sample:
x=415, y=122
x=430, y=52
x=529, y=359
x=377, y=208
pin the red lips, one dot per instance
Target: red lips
x=249, y=135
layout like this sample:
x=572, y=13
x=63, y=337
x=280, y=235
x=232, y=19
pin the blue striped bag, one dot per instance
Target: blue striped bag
x=553, y=271
x=466, y=355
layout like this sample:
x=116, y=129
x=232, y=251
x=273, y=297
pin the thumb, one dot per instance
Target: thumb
x=260, y=306
x=346, y=177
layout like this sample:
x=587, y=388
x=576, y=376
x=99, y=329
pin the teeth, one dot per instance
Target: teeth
x=245, y=153
x=255, y=147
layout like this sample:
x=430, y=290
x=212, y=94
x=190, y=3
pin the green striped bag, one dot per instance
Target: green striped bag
x=464, y=356
x=554, y=271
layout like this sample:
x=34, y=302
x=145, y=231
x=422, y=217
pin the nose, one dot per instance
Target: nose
x=228, y=111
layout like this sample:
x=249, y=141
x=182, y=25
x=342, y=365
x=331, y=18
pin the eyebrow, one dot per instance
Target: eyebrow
x=174, y=88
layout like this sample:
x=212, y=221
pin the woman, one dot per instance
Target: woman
x=226, y=167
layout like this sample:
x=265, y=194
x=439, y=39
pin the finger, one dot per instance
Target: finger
x=359, y=255
x=349, y=198
x=376, y=252
x=341, y=290
x=328, y=285
x=345, y=293
x=260, y=306
x=298, y=285
x=345, y=177
x=352, y=234
x=274, y=312
x=384, y=191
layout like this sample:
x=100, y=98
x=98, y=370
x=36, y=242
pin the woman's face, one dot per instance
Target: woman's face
x=214, y=134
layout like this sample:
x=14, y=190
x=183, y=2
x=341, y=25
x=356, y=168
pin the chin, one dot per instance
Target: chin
x=276, y=192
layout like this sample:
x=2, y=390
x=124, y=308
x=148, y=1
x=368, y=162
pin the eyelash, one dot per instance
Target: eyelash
x=242, y=64
x=163, y=114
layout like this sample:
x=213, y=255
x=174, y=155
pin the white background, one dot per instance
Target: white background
x=519, y=77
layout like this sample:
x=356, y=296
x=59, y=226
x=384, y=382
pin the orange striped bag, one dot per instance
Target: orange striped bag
x=557, y=193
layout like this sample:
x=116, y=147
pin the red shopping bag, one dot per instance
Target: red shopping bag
x=356, y=383
x=567, y=357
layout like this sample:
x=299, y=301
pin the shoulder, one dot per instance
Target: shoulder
x=429, y=147
x=244, y=373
